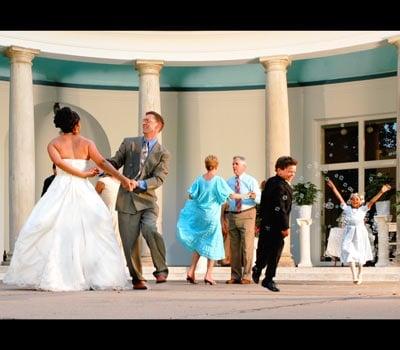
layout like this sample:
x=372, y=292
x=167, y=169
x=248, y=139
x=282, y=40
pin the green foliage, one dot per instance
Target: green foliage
x=305, y=193
x=397, y=203
x=374, y=185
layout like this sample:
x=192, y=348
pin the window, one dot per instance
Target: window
x=354, y=151
x=341, y=143
x=380, y=139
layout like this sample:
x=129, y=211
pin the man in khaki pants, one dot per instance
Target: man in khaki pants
x=242, y=217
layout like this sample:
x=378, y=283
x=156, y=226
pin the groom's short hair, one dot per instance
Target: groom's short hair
x=157, y=117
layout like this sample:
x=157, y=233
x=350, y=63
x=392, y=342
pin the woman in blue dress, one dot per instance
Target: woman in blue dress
x=199, y=223
x=356, y=247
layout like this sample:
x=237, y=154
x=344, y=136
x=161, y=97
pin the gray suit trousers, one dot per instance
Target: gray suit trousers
x=130, y=226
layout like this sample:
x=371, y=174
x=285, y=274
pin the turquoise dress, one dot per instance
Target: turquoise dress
x=199, y=223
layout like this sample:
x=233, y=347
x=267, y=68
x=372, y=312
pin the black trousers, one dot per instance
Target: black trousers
x=269, y=251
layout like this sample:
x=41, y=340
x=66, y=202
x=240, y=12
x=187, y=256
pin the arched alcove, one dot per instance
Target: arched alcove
x=45, y=131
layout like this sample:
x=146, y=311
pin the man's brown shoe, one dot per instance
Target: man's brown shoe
x=232, y=281
x=161, y=278
x=139, y=285
x=245, y=281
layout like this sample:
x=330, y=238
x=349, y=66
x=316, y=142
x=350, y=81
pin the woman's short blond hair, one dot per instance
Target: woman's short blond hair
x=211, y=162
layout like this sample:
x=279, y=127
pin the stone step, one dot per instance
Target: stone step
x=376, y=274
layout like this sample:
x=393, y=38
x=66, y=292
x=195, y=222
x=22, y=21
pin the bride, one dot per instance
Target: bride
x=68, y=242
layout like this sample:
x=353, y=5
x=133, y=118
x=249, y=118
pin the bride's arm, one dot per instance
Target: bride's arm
x=57, y=160
x=96, y=156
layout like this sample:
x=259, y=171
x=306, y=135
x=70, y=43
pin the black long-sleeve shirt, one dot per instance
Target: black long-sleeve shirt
x=276, y=204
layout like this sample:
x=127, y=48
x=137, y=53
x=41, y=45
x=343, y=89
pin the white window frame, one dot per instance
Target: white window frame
x=361, y=165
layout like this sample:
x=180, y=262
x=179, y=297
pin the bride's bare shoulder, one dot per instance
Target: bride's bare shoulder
x=85, y=139
x=87, y=142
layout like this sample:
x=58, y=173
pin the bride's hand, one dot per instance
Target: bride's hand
x=127, y=184
x=91, y=172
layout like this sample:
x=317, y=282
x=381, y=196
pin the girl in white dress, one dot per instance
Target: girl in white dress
x=68, y=242
x=356, y=247
x=107, y=187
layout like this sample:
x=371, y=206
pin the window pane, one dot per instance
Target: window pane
x=341, y=143
x=380, y=139
x=374, y=176
x=346, y=181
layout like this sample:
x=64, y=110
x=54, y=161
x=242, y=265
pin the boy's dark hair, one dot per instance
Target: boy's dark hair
x=284, y=162
x=157, y=117
x=54, y=166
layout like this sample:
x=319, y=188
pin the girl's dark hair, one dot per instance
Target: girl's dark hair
x=65, y=119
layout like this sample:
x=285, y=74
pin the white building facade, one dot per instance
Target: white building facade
x=329, y=99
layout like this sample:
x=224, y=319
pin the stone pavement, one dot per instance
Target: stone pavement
x=180, y=300
x=328, y=273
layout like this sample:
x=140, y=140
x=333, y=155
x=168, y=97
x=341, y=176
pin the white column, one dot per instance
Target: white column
x=305, y=256
x=277, y=111
x=21, y=140
x=149, y=88
x=277, y=132
x=383, y=239
x=396, y=41
x=150, y=100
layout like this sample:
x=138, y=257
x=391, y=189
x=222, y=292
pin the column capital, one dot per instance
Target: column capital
x=275, y=62
x=148, y=66
x=395, y=41
x=21, y=54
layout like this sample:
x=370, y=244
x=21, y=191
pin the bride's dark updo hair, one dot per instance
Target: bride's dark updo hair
x=65, y=118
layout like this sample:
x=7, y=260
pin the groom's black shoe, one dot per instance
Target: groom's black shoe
x=255, y=275
x=270, y=285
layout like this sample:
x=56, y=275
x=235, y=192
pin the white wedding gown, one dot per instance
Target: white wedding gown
x=68, y=242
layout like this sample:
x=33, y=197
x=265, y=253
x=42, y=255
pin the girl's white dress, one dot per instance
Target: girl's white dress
x=68, y=242
x=109, y=197
x=356, y=245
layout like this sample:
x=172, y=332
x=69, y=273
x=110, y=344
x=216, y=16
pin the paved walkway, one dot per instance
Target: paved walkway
x=338, y=273
x=179, y=300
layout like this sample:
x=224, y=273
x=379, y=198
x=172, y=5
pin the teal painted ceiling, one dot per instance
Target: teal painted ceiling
x=366, y=64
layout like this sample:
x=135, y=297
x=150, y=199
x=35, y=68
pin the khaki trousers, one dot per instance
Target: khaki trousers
x=241, y=234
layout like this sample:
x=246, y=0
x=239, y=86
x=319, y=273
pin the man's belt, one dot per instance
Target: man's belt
x=241, y=211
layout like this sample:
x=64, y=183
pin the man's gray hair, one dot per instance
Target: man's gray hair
x=243, y=159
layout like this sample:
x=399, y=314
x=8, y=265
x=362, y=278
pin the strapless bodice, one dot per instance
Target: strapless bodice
x=80, y=164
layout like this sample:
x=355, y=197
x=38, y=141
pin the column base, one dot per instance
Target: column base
x=307, y=264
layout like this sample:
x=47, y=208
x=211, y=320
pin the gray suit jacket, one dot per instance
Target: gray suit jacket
x=154, y=173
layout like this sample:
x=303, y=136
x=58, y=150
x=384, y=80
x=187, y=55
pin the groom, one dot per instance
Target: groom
x=146, y=163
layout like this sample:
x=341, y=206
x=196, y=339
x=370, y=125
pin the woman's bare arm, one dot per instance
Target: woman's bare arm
x=100, y=161
x=238, y=195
